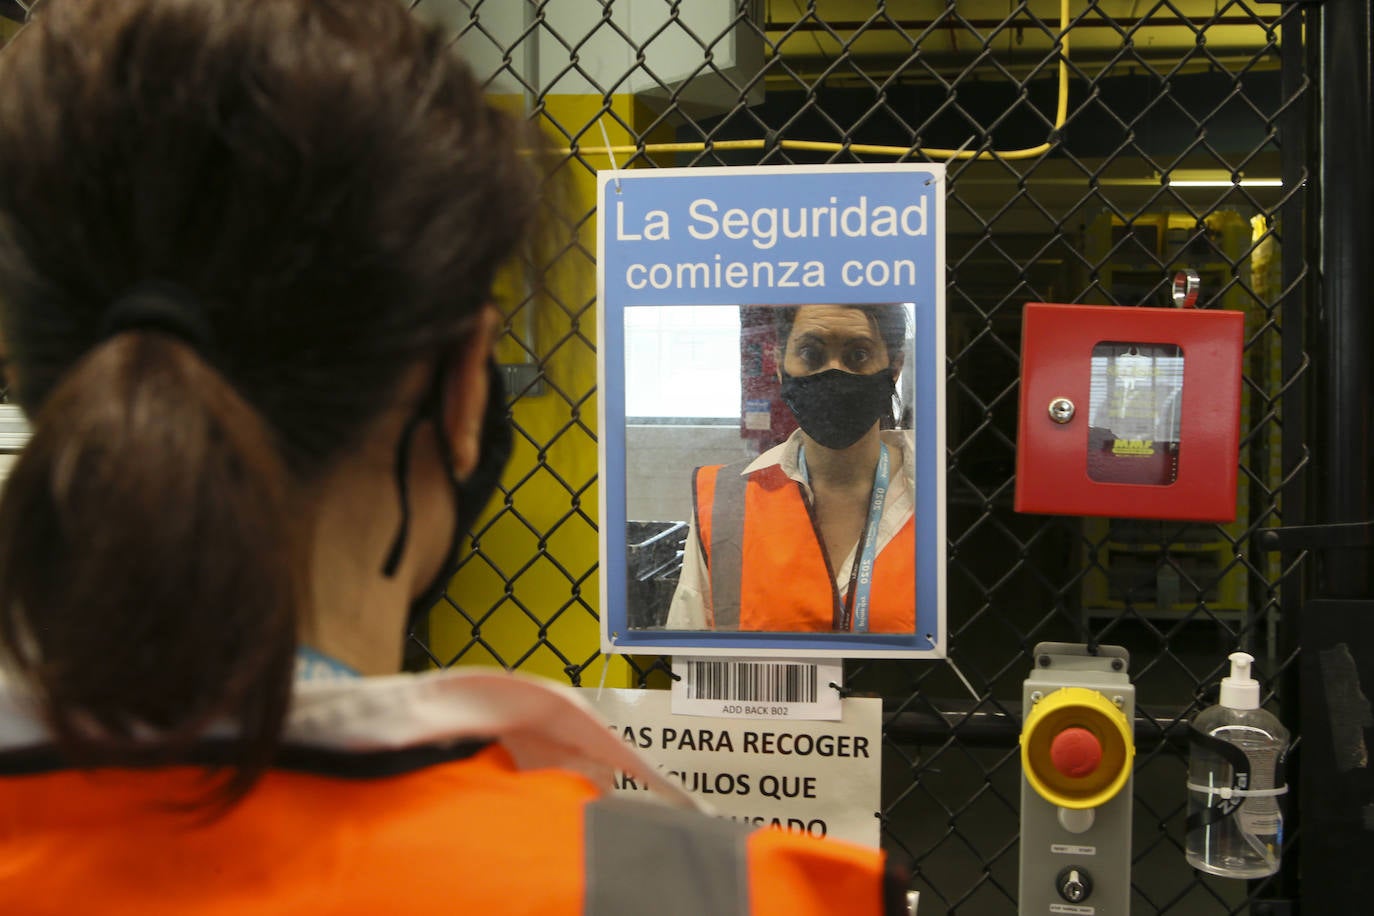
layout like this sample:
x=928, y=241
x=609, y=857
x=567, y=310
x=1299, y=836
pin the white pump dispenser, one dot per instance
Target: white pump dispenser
x=1235, y=781
x=1240, y=690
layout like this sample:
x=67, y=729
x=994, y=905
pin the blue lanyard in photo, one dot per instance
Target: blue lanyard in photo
x=861, y=578
x=869, y=554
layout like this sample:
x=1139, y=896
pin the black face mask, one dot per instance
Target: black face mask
x=470, y=496
x=835, y=408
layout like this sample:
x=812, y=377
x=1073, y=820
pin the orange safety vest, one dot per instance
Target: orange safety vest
x=435, y=829
x=767, y=566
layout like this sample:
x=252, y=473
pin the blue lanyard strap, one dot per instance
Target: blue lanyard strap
x=314, y=665
x=861, y=575
x=859, y=585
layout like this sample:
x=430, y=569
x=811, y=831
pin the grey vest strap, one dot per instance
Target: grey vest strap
x=647, y=858
x=727, y=544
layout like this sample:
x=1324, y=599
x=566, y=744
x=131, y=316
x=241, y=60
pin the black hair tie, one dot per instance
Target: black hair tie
x=160, y=306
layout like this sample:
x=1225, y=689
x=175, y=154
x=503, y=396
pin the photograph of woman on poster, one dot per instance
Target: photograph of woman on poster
x=817, y=533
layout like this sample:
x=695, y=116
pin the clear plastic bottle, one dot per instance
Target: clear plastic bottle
x=1235, y=820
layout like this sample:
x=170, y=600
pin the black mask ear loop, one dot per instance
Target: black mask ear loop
x=470, y=496
x=428, y=408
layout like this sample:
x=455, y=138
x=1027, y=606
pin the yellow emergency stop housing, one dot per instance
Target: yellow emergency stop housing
x=1077, y=707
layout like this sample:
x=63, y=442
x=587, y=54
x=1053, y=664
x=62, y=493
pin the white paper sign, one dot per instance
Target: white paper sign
x=817, y=778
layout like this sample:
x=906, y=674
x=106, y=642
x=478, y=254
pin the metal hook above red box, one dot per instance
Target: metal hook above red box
x=1129, y=412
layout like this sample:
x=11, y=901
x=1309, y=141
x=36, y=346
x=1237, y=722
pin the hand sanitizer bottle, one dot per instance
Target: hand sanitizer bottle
x=1235, y=781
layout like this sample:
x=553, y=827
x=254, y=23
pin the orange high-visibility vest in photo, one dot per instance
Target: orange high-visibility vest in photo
x=768, y=570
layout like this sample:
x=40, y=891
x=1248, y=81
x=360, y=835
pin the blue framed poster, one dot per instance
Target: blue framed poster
x=771, y=358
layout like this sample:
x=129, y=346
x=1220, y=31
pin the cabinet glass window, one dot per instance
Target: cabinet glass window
x=1134, y=409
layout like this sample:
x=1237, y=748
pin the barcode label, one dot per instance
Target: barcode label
x=757, y=688
x=752, y=682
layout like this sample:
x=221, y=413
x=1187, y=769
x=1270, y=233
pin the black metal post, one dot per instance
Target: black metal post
x=1336, y=637
x=1344, y=328
x=1297, y=239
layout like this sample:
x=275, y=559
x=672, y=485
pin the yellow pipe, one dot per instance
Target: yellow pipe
x=864, y=149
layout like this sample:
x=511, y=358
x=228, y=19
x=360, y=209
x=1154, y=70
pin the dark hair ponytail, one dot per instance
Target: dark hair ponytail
x=148, y=562
x=333, y=194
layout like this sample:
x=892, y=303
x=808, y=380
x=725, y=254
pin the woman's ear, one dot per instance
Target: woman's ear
x=466, y=390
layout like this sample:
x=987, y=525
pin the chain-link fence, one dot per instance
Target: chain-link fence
x=1094, y=148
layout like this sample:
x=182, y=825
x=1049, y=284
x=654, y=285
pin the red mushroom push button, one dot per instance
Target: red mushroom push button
x=1076, y=749
x=1075, y=752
